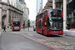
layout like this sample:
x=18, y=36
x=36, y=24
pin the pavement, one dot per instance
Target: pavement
x=8, y=29
x=31, y=40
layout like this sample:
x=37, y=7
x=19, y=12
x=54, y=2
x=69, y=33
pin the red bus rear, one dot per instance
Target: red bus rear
x=50, y=22
x=16, y=24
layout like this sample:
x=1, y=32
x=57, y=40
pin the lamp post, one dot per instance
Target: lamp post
x=53, y=4
x=64, y=14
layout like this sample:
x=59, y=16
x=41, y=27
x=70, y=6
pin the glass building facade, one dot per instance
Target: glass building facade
x=70, y=14
x=19, y=6
x=21, y=0
x=39, y=3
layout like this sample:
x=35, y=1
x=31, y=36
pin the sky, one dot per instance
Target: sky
x=31, y=4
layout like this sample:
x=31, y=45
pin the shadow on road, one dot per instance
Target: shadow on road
x=16, y=30
x=51, y=35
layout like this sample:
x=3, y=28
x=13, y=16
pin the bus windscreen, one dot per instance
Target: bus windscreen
x=16, y=23
x=55, y=13
x=55, y=20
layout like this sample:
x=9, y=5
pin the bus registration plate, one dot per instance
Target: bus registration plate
x=55, y=31
x=16, y=27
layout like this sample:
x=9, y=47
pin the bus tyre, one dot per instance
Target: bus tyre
x=37, y=31
x=42, y=32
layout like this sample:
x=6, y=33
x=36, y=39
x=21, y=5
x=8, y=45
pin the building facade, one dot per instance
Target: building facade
x=9, y=10
x=12, y=9
x=39, y=5
x=71, y=14
x=21, y=0
x=18, y=5
x=25, y=16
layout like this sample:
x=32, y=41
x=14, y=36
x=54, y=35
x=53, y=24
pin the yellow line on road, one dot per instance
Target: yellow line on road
x=49, y=39
x=72, y=43
x=51, y=44
x=55, y=43
x=64, y=43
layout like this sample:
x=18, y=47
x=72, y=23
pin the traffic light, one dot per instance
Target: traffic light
x=24, y=22
x=28, y=23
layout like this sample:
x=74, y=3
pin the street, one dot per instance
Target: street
x=31, y=40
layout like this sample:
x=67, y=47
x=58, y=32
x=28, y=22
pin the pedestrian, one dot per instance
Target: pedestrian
x=4, y=28
x=24, y=25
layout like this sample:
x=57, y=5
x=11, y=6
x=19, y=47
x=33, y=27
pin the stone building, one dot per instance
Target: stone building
x=9, y=11
x=25, y=16
x=12, y=9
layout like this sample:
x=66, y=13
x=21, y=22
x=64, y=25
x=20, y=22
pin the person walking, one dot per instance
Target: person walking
x=24, y=25
x=4, y=28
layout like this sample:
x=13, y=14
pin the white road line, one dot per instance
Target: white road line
x=30, y=34
x=15, y=32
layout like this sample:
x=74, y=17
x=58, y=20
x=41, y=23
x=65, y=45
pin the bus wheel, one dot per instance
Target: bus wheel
x=42, y=32
x=37, y=31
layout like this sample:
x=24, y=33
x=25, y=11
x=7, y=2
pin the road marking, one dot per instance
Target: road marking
x=15, y=32
x=51, y=44
x=41, y=42
x=63, y=42
x=72, y=43
x=52, y=41
x=30, y=34
x=55, y=43
x=48, y=39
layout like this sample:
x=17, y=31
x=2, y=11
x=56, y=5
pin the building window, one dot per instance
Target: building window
x=70, y=15
x=21, y=0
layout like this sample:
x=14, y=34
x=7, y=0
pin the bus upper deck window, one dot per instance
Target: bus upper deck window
x=45, y=13
x=43, y=19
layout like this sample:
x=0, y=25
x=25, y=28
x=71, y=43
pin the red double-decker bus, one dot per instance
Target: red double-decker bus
x=50, y=22
x=16, y=24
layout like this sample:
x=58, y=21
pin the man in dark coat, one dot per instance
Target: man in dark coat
x=4, y=28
